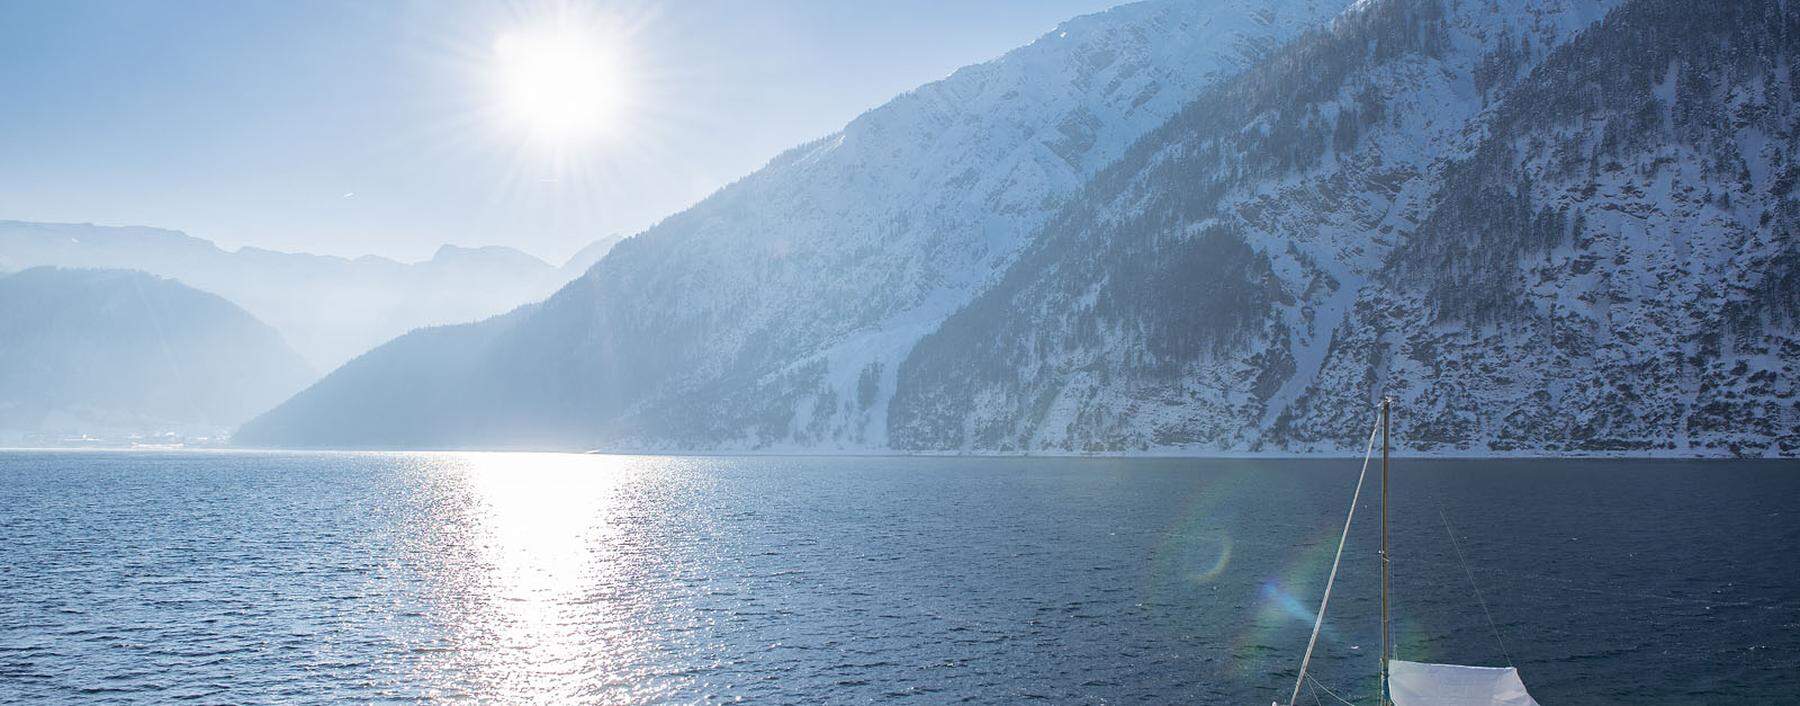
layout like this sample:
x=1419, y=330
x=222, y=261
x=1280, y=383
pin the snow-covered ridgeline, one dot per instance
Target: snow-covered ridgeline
x=1529, y=221
x=776, y=310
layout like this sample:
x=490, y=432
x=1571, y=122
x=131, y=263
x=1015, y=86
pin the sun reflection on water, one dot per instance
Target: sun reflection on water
x=539, y=514
x=519, y=558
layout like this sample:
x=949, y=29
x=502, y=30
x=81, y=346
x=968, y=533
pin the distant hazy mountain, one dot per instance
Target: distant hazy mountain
x=329, y=308
x=588, y=255
x=114, y=351
x=1542, y=225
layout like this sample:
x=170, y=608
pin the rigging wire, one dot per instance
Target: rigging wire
x=1445, y=516
x=1319, y=621
x=1321, y=685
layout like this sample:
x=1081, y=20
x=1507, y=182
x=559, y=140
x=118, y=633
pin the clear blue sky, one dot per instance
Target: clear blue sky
x=366, y=127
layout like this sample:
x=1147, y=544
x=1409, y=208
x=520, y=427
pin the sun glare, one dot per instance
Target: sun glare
x=561, y=86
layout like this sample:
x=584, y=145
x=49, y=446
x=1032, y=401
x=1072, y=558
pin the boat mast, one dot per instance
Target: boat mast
x=1386, y=650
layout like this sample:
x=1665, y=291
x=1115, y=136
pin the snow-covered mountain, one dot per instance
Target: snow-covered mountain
x=115, y=352
x=775, y=311
x=329, y=308
x=1614, y=265
x=1543, y=225
x=1538, y=232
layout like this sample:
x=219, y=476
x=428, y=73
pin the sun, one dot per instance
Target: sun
x=560, y=85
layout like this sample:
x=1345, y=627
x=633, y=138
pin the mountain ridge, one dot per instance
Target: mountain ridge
x=118, y=351
x=912, y=207
x=330, y=307
x=1202, y=293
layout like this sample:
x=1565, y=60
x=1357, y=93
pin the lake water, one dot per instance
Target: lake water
x=528, y=578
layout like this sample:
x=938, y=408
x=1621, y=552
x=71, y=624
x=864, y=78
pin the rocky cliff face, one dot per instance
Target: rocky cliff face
x=1612, y=268
x=1539, y=232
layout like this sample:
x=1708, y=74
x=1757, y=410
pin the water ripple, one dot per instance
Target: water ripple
x=527, y=578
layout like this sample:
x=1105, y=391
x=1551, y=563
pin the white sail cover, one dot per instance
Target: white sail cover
x=1422, y=684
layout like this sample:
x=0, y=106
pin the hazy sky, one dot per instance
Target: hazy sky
x=390, y=128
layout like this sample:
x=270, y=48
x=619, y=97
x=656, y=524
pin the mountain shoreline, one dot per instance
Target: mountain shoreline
x=844, y=453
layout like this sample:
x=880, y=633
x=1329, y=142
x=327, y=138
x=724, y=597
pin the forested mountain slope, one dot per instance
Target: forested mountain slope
x=1538, y=236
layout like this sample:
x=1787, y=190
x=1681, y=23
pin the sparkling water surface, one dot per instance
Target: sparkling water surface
x=226, y=577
